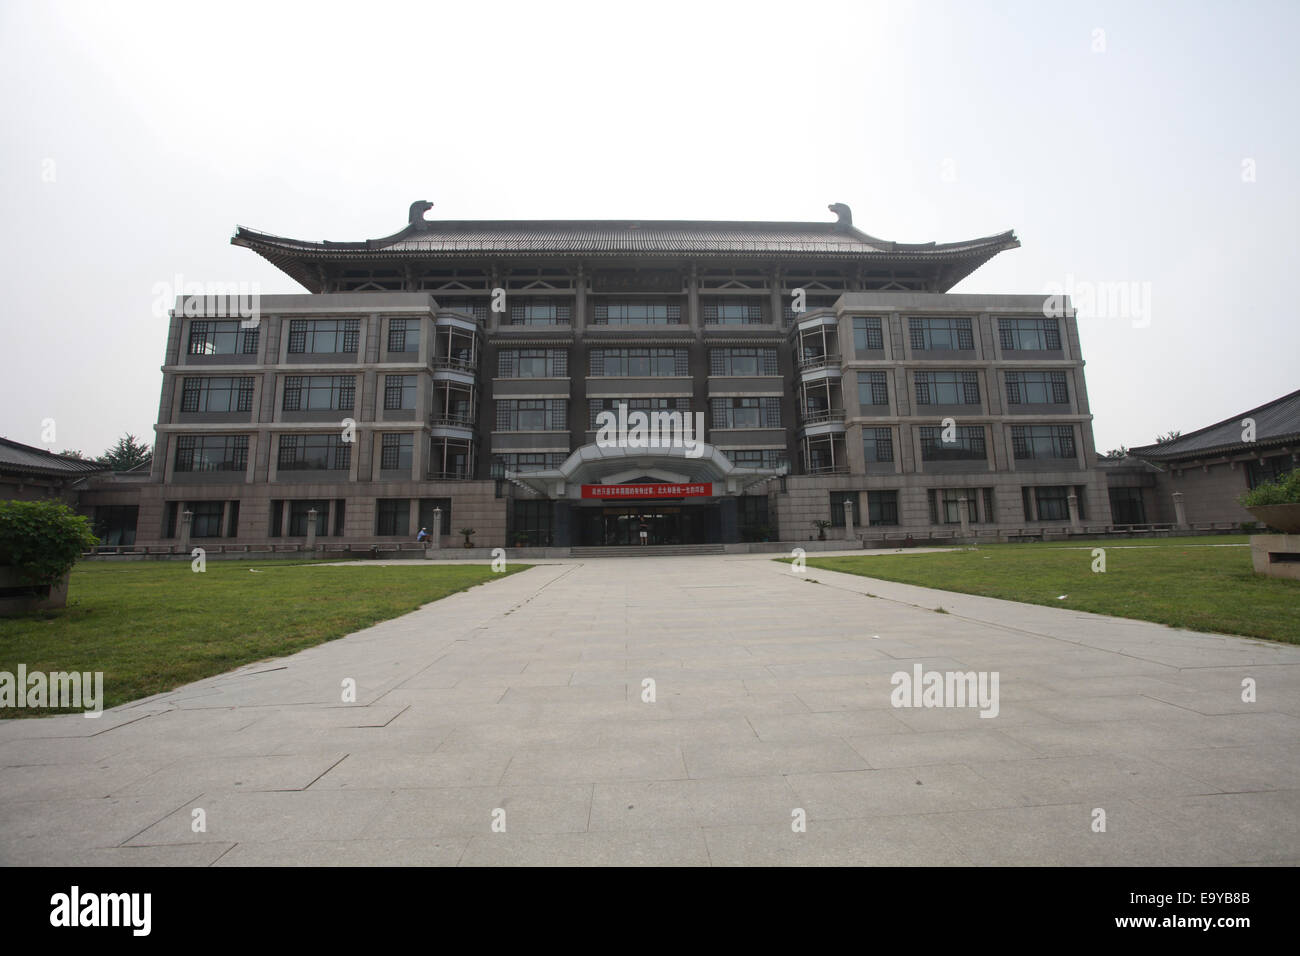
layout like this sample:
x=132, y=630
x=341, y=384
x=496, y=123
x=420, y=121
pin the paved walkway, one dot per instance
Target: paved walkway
x=521, y=702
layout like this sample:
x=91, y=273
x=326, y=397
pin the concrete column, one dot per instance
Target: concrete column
x=1180, y=513
x=187, y=517
x=435, y=533
x=1072, y=500
x=963, y=514
x=848, y=519
x=311, y=529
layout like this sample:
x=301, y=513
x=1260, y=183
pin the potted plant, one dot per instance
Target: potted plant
x=1276, y=503
x=467, y=532
x=40, y=541
x=821, y=526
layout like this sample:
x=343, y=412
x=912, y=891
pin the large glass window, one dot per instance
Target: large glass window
x=539, y=311
x=322, y=336
x=768, y=458
x=319, y=392
x=211, y=453
x=597, y=405
x=949, y=335
x=396, y=451
x=837, y=507
x=878, y=444
x=868, y=335
x=731, y=310
x=314, y=453
x=532, y=414
x=640, y=362
x=533, y=363
x=299, y=517
x=636, y=312
x=1029, y=335
x=393, y=517
x=222, y=338
x=526, y=461
x=1036, y=388
x=947, y=388
x=746, y=412
x=873, y=390
x=207, y=517
x=426, y=514
x=399, y=391
x=882, y=508
x=743, y=361
x=217, y=394
x=1042, y=441
x=945, y=505
x=967, y=444
x=403, y=335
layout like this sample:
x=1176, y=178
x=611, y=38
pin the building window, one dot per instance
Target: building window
x=770, y=459
x=393, y=517
x=532, y=311
x=533, y=363
x=636, y=312
x=314, y=453
x=743, y=361
x=206, y=520
x=115, y=524
x=1029, y=335
x=533, y=415
x=868, y=336
x=945, y=505
x=403, y=335
x=319, y=393
x=640, y=363
x=746, y=412
x=396, y=451
x=878, y=444
x=723, y=310
x=217, y=394
x=968, y=444
x=211, y=453
x=426, y=514
x=648, y=405
x=945, y=335
x=527, y=461
x=399, y=391
x=1270, y=469
x=882, y=508
x=222, y=338
x=947, y=388
x=1036, y=388
x=837, y=507
x=324, y=336
x=1053, y=502
x=1127, y=506
x=298, y=518
x=478, y=308
x=531, y=523
x=873, y=389
x=1042, y=441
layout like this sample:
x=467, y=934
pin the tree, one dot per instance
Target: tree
x=126, y=454
x=1166, y=439
x=41, y=540
x=72, y=453
x=1120, y=452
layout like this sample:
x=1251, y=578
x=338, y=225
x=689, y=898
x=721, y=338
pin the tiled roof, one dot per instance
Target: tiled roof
x=24, y=459
x=1275, y=422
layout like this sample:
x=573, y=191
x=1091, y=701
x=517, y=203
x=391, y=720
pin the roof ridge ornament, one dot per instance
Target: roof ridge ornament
x=417, y=211
x=844, y=215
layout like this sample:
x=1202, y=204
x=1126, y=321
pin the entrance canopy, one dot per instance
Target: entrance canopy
x=595, y=465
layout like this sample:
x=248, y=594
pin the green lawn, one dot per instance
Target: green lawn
x=1182, y=582
x=154, y=626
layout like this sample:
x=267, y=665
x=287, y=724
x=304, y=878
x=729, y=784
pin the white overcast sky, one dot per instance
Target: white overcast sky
x=1110, y=136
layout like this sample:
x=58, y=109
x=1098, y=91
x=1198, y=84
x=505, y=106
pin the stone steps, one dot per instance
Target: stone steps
x=646, y=551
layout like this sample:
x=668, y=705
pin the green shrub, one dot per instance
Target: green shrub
x=41, y=540
x=1284, y=491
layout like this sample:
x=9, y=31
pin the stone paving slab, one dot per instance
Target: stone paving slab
x=521, y=704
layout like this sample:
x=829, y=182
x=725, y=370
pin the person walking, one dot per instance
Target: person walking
x=645, y=532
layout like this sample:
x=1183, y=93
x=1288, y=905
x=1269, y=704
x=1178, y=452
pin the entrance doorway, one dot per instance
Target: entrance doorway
x=665, y=524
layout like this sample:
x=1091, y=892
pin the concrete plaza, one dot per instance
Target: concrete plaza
x=520, y=703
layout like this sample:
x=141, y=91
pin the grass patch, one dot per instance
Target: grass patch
x=1179, y=582
x=152, y=627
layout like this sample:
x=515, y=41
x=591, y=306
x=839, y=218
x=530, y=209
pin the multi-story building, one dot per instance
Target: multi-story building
x=463, y=366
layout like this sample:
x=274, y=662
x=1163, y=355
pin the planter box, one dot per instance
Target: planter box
x=1284, y=518
x=17, y=597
